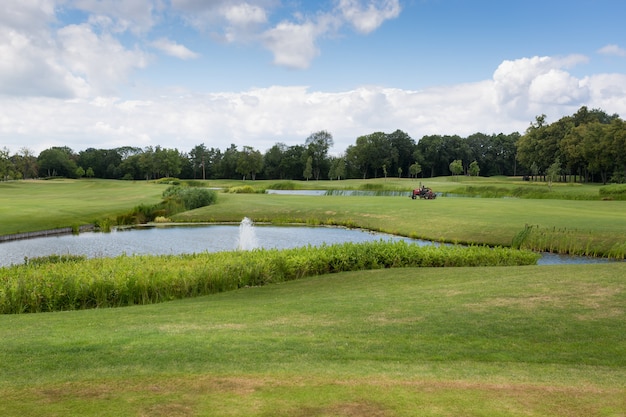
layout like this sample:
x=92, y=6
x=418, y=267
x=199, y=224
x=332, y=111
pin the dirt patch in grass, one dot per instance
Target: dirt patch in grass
x=352, y=409
x=168, y=410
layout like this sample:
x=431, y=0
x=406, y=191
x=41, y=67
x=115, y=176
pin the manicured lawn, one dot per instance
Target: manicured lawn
x=27, y=206
x=518, y=341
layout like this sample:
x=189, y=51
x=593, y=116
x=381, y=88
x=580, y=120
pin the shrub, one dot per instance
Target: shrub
x=189, y=197
x=246, y=189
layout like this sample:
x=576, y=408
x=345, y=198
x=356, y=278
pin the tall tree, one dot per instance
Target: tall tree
x=57, y=161
x=199, y=159
x=249, y=162
x=317, y=145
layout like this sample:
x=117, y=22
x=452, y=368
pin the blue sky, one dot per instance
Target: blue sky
x=177, y=73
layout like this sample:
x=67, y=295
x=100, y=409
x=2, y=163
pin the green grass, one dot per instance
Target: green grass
x=497, y=341
x=515, y=341
x=27, y=206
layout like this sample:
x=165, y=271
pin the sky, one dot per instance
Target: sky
x=180, y=73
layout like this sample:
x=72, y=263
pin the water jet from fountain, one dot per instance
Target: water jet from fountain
x=247, y=235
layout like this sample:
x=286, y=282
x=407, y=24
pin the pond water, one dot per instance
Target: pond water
x=163, y=240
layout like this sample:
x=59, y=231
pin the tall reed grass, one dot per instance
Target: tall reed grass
x=130, y=280
x=567, y=241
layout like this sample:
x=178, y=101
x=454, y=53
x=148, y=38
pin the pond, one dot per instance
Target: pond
x=163, y=240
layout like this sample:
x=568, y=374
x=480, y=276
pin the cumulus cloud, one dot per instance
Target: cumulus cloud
x=43, y=58
x=612, y=49
x=174, y=49
x=292, y=41
x=368, y=17
x=524, y=85
x=293, y=45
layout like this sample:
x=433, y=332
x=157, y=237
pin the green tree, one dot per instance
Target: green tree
x=456, y=167
x=249, y=162
x=199, y=158
x=317, y=146
x=415, y=169
x=57, y=161
x=337, y=168
x=26, y=163
x=553, y=172
x=474, y=169
x=80, y=172
x=308, y=169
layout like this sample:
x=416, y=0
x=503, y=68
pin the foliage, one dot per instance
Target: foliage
x=190, y=197
x=474, y=169
x=283, y=185
x=53, y=259
x=613, y=192
x=590, y=144
x=123, y=281
x=245, y=189
x=567, y=241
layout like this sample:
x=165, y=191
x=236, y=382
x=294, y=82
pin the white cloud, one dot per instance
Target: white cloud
x=293, y=45
x=292, y=41
x=174, y=49
x=523, y=85
x=261, y=117
x=137, y=16
x=244, y=14
x=99, y=59
x=76, y=60
x=368, y=17
x=612, y=49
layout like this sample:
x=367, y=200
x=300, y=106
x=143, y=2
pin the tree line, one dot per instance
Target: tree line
x=587, y=146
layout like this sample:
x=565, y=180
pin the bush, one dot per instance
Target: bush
x=190, y=197
x=246, y=189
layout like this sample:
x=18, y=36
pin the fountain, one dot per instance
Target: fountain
x=247, y=236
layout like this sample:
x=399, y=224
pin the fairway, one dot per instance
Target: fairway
x=540, y=341
x=27, y=206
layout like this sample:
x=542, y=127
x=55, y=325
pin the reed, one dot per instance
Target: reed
x=567, y=241
x=129, y=280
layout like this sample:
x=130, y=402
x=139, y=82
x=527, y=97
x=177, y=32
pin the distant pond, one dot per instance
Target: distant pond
x=162, y=240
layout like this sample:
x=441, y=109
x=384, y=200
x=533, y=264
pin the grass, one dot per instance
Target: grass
x=482, y=341
x=27, y=206
x=516, y=341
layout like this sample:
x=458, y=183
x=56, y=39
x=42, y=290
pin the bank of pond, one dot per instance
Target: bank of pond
x=156, y=264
